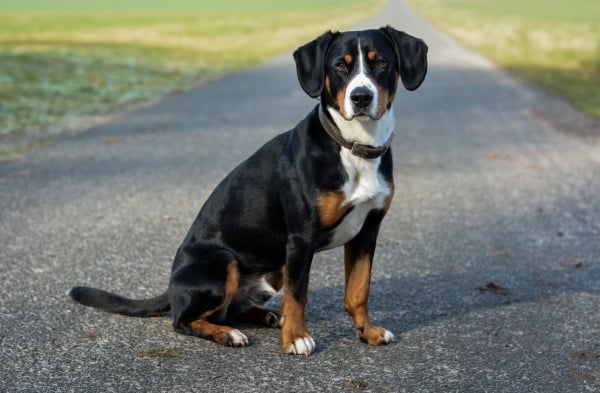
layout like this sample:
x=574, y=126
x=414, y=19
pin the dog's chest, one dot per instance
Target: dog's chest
x=365, y=190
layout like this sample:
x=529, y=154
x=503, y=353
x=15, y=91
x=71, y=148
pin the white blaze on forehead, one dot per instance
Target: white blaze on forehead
x=361, y=79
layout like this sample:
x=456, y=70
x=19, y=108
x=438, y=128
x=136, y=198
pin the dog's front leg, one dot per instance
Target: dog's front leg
x=358, y=257
x=295, y=338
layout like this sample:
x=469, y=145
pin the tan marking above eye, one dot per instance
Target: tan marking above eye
x=348, y=59
x=371, y=55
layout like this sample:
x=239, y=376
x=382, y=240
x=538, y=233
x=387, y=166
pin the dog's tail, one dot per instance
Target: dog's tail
x=110, y=302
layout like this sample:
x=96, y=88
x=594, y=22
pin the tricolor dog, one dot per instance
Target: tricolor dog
x=325, y=183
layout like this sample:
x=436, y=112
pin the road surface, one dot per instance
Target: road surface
x=487, y=268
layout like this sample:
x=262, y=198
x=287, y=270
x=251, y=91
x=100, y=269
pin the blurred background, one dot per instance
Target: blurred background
x=554, y=44
x=65, y=62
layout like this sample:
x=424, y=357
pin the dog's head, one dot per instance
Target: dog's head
x=357, y=72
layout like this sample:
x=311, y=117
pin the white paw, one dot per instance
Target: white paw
x=388, y=337
x=237, y=339
x=302, y=346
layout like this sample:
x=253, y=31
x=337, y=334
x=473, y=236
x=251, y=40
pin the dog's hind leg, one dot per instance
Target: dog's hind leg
x=265, y=316
x=200, y=291
x=223, y=335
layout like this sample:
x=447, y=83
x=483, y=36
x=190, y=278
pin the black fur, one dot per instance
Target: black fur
x=264, y=215
x=411, y=54
x=118, y=304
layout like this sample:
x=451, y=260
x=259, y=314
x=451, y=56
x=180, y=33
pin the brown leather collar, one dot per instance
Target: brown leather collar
x=358, y=149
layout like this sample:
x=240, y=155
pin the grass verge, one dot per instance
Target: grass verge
x=64, y=61
x=553, y=44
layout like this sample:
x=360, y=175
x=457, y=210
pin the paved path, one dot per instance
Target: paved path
x=488, y=266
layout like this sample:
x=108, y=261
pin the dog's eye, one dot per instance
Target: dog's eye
x=341, y=66
x=380, y=63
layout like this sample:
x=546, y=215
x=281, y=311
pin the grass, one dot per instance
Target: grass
x=63, y=61
x=554, y=44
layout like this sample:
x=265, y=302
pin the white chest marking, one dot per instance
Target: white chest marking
x=365, y=190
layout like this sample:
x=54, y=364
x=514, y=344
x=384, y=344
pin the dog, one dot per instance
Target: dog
x=327, y=182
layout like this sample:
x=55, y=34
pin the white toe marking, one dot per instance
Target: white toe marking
x=302, y=346
x=238, y=339
x=388, y=337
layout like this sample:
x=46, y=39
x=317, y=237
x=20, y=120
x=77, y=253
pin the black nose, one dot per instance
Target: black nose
x=361, y=97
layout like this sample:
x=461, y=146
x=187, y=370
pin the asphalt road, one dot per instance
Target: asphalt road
x=487, y=269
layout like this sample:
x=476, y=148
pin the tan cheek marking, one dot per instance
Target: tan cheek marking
x=330, y=207
x=382, y=102
x=339, y=99
x=328, y=84
x=386, y=97
x=341, y=95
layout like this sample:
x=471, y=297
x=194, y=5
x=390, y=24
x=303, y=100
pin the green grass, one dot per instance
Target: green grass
x=554, y=44
x=62, y=61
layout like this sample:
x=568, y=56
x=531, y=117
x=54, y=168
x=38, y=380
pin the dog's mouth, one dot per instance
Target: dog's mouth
x=363, y=116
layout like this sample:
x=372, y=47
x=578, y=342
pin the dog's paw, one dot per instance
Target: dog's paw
x=388, y=337
x=376, y=336
x=300, y=346
x=237, y=339
x=274, y=319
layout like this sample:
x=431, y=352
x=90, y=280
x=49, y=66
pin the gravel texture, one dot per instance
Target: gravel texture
x=487, y=268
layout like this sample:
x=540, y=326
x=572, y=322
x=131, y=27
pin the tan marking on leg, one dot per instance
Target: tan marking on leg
x=217, y=333
x=358, y=280
x=231, y=285
x=232, y=281
x=388, y=199
x=294, y=322
x=356, y=296
x=223, y=335
x=331, y=207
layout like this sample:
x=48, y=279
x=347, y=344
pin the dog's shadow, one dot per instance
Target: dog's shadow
x=405, y=303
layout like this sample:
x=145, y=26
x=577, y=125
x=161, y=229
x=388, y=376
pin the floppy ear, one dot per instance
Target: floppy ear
x=310, y=64
x=411, y=54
